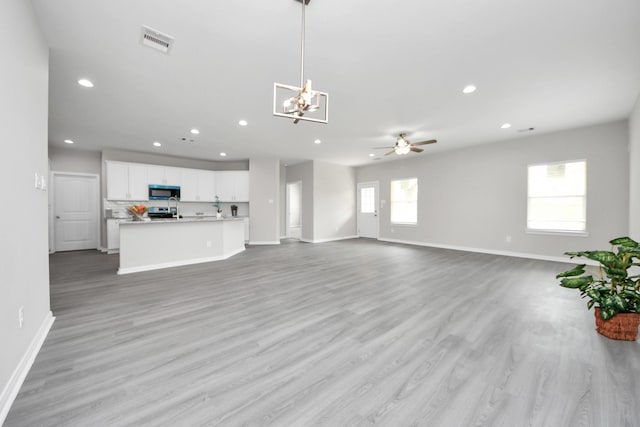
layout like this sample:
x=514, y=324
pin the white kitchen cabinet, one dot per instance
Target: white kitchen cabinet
x=173, y=176
x=189, y=187
x=138, y=182
x=156, y=175
x=127, y=181
x=113, y=235
x=224, y=186
x=246, y=229
x=232, y=186
x=207, y=186
x=117, y=181
x=165, y=175
x=198, y=186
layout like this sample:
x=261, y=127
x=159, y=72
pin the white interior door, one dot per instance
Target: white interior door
x=294, y=209
x=368, y=209
x=75, y=207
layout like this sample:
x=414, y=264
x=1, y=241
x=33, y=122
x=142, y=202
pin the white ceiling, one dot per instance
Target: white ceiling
x=389, y=66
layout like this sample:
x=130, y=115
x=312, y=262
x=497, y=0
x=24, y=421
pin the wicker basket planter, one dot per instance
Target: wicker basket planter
x=622, y=326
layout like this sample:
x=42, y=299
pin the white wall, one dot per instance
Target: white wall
x=264, y=199
x=303, y=172
x=74, y=160
x=634, y=172
x=24, y=235
x=159, y=159
x=334, y=201
x=474, y=198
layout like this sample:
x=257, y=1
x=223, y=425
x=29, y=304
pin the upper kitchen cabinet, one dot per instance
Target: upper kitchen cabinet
x=198, y=186
x=232, y=186
x=127, y=181
x=165, y=175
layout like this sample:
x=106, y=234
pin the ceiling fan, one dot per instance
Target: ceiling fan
x=403, y=146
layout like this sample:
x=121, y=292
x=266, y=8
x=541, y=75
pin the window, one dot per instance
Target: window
x=404, y=201
x=367, y=200
x=558, y=197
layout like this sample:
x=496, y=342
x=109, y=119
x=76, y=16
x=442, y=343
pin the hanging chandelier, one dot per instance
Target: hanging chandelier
x=300, y=103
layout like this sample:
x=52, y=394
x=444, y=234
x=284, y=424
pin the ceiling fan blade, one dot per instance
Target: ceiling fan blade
x=381, y=148
x=416, y=150
x=431, y=141
x=390, y=152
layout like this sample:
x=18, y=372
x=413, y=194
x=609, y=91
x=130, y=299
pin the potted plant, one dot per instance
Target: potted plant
x=615, y=289
x=218, y=208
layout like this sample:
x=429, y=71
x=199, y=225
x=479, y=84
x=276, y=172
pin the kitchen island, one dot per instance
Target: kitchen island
x=163, y=243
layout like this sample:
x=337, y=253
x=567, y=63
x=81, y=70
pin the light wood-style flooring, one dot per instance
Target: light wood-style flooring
x=350, y=333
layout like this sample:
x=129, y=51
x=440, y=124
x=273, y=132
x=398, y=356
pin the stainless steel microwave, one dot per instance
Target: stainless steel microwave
x=163, y=192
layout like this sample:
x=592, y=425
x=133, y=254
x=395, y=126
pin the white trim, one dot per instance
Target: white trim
x=332, y=239
x=563, y=259
x=269, y=242
x=177, y=263
x=12, y=387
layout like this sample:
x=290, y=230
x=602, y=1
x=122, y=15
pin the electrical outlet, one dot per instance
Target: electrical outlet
x=208, y=243
x=37, y=181
x=507, y=239
x=21, y=316
x=392, y=230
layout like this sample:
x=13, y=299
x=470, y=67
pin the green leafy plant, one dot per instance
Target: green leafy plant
x=217, y=204
x=617, y=289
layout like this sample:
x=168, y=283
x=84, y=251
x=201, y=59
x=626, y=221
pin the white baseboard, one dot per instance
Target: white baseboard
x=12, y=388
x=493, y=252
x=150, y=267
x=266, y=242
x=332, y=239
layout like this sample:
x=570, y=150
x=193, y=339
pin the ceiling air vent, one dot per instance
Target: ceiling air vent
x=156, y=40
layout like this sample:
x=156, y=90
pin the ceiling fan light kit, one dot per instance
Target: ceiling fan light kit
x=296, y=103
x=403, y=146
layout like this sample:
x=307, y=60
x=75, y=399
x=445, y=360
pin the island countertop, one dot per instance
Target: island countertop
x=181, y=220
x=171, y=242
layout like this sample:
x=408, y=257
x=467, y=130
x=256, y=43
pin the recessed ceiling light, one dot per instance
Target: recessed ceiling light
x=85, y=83
x=223, y=154
x=68, y=141
x=317, y=141
x=469, y=89
x=371, y=155
x=505, y=126
x=195, y=131
x=243, y=123
x=157, y=144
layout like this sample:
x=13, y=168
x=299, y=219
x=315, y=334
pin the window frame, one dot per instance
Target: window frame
x=552, y=232
x=405, y=224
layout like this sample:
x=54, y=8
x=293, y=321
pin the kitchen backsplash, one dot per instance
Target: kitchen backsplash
x=119, y=208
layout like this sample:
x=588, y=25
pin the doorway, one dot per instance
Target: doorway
x=294, y=210
x=368, y=208
x=75, y=211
